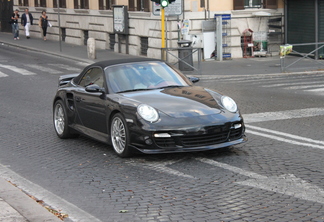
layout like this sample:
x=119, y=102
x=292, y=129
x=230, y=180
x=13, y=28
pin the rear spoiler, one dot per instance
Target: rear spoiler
x=65, y=79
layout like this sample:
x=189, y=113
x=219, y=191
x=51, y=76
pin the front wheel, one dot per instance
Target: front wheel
x=119, y=136
x=60, y=120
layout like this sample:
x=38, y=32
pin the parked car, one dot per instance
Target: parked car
x=145, y=105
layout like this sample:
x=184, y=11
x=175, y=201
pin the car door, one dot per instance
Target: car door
x=91, y=106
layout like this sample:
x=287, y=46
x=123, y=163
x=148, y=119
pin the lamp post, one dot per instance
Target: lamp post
x=59, y=23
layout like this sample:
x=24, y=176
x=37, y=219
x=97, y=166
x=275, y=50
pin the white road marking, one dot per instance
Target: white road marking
x=282, y=115
x=315, y=90
x=288, y=84
x=83, y=63
x=17, y=69
x=287, y=184
x=3, y=74
x=66, y=67
x=43, y=69
x=285, y=140
x=58, y=203
x=305, y=87
x=286, y=135
x=161, y=167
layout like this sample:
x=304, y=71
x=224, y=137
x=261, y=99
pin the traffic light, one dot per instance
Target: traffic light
x=163, y=3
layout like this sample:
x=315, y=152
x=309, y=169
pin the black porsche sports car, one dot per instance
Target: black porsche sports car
x=146, y=105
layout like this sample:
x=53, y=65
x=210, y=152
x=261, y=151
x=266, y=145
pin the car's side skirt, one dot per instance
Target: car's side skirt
x=102, y=137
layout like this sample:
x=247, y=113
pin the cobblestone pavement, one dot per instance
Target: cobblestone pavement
x=270, y=178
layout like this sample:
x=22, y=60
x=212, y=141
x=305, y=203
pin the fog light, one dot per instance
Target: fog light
x=161, y=135
x=148, y=142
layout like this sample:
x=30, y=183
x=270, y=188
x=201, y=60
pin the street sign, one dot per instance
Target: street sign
x=175, y=8
x=224, y=16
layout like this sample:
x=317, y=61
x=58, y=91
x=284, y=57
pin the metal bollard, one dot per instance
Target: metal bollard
x=91, y=48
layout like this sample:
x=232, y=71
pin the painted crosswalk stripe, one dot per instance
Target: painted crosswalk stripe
x=66, y=67
x=83, y=63
x=290, y=136
x=289, y=84
x=44, y=69
x=288, y=114
x=315, y=90
x=305, y=87
x=18, y=70
x=2, y=74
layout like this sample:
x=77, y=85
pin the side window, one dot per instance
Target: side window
x=242, y=4
x=92, y=76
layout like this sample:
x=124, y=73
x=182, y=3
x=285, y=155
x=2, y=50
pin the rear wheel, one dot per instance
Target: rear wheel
x=60, y=120
x=120, y=136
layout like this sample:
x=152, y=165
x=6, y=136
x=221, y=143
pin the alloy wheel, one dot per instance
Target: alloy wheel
x=118, y=133
x=59, y=119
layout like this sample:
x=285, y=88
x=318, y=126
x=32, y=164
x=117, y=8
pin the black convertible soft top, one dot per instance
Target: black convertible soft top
x=106, y=63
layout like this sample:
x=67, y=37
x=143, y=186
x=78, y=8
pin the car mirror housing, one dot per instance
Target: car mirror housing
x=193, y=79
x=94, y=89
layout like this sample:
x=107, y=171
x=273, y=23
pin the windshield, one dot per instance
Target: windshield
x=143, y=76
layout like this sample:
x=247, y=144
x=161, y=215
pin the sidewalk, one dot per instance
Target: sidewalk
x=210, y=67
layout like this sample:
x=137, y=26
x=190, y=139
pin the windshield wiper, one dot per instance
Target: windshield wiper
x=170, y=86
x=133, y=90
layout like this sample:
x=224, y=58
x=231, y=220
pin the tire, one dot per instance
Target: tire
x=120, y=136
x=60, y=121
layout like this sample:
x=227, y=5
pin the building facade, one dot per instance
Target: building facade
x=74, y=21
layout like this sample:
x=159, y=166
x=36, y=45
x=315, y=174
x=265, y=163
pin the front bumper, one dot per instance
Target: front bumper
x=188, y=139
x=192, y=149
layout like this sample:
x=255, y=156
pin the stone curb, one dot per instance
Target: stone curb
x=24, y=205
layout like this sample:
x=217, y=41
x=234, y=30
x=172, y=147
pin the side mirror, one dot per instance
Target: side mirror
x=193, y=79
x=94, y=89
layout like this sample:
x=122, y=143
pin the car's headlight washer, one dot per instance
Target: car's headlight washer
x=229, y=104
x=148, y=113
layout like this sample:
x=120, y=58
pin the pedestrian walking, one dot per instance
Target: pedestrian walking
x=14, y=24
x=27, y=21
x=43, y=23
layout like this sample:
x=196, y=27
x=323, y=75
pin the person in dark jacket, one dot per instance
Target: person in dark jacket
x=27, y=21
x=43, y=23
x=14, y=24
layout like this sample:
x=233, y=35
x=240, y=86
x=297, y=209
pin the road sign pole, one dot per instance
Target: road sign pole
x=163, y=33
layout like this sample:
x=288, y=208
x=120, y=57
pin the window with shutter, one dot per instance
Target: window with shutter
x=36, y=3
x=271, y=4
x=238, y=4
x=109, y=4
x=146, y=6
x=138, y=5
x=202, y=4
x=43, y=3
x=61, y=2
x=84, y=4
x=252, y=4
x=131, y=5
x=76, y=4
x=101, y=5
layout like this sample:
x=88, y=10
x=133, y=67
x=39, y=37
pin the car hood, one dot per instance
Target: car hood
x=179, y=102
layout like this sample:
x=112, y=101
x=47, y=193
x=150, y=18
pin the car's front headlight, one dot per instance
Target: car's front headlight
x=229, y=104
x=148, y=113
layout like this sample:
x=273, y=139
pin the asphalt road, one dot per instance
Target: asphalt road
x=276, y=176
